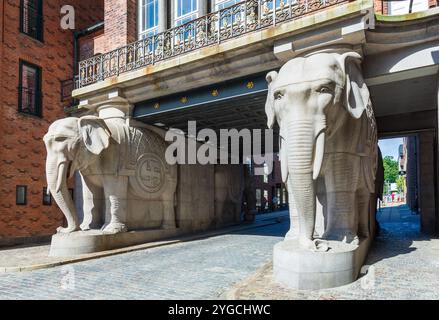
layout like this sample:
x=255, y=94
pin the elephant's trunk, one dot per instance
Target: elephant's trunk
x=57, y=184
x=305, y=148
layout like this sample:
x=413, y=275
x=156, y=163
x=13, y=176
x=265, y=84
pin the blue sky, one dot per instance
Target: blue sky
x=390, y=147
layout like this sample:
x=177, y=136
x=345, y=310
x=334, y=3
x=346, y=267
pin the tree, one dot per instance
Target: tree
x=400, y=184
x=391, y=171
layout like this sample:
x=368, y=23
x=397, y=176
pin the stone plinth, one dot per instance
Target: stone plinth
x=298, y=268
x=83, y=242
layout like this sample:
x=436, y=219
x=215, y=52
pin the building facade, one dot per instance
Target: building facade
x=36, y=57
x=161, y=55
x=270, y=192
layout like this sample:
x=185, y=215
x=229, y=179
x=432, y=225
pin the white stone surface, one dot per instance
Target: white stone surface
x=328, y=153
x=298, y=268
x=128, y=185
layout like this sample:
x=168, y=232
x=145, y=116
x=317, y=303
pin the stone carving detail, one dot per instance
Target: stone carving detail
x=149, y=175
x=122, y=168
x=328, y=153
x=328, y=142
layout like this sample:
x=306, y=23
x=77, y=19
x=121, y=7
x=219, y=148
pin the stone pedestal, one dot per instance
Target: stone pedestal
x=84, y=242
x=298, y=268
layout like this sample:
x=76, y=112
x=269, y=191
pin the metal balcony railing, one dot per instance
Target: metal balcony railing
x=214, y=28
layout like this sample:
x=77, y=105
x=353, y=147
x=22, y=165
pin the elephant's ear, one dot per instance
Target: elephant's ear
x=269, y=104
x=357, y=96
x=95, y=134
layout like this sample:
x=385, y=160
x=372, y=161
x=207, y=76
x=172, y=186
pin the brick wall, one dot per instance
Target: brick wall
x=92, y=44
x=22, y=152
x=120, y=23
x=382, y=7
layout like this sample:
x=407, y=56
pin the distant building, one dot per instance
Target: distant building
x=270, y=191
x=37, y=63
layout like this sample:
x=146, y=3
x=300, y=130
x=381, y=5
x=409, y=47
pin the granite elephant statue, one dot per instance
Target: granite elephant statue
x=328, y=144
x=118, y=163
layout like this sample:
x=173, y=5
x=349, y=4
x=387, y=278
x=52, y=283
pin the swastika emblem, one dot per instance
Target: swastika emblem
x=150, y=173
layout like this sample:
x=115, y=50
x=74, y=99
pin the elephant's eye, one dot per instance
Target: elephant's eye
x=324, y=89
x=278, y=95
x=60, y=139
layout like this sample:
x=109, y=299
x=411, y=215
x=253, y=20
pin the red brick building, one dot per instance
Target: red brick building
x=36, y=56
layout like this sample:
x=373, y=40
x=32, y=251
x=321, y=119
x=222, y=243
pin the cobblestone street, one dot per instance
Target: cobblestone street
x=237, y=265
x=405, y=265
x=201, y=269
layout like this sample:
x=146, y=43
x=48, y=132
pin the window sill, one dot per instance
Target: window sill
x=39, y=41
x=32, y=115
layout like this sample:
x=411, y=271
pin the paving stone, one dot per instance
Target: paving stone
x=199, y=269
x=405, y=266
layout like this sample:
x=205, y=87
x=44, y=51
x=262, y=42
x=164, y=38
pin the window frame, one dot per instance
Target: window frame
x=178, y=19
x=24, y=203
x=145, y=33
x=39, y=36
x=217, y=3
x=38, y=90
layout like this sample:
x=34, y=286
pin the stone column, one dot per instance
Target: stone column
x=202, y=7
x=163, y=15
x=427, y=192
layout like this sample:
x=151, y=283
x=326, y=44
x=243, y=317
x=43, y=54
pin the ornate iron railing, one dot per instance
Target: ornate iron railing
x=214, y=28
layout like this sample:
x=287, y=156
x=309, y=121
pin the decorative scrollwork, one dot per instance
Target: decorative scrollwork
x=231, y=22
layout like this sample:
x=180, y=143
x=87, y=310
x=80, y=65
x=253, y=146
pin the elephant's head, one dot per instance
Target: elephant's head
x=310, y=98
x=72, y=144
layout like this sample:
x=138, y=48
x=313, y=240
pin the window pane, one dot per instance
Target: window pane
x=149, y=15
x=186, y=7
x=29, y=89
x=47, y=198
x=32, y=18
x=21, y=195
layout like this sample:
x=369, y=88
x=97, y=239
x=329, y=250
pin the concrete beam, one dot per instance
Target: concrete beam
x=349, y=33
x=406, y=63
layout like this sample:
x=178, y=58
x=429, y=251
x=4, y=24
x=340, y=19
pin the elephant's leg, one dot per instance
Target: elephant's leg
x=364, y=212
x=293, y=232
x=341, y=182
x=168, y=215
x=115, y=189
x=92, y=196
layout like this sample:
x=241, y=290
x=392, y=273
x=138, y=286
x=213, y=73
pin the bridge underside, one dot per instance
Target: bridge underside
x=394, y=100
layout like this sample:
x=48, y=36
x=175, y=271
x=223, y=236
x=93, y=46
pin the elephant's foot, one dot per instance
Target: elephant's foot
x=321, y=245
x=351, y=239
x=85, y=226
x=114, y=228
x=292, y=234
x=69, y=229
x=343, y=236
x=314, y=245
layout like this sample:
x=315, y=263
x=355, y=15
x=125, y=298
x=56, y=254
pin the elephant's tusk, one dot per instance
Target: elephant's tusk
x=61, y=176
x=318, y=155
